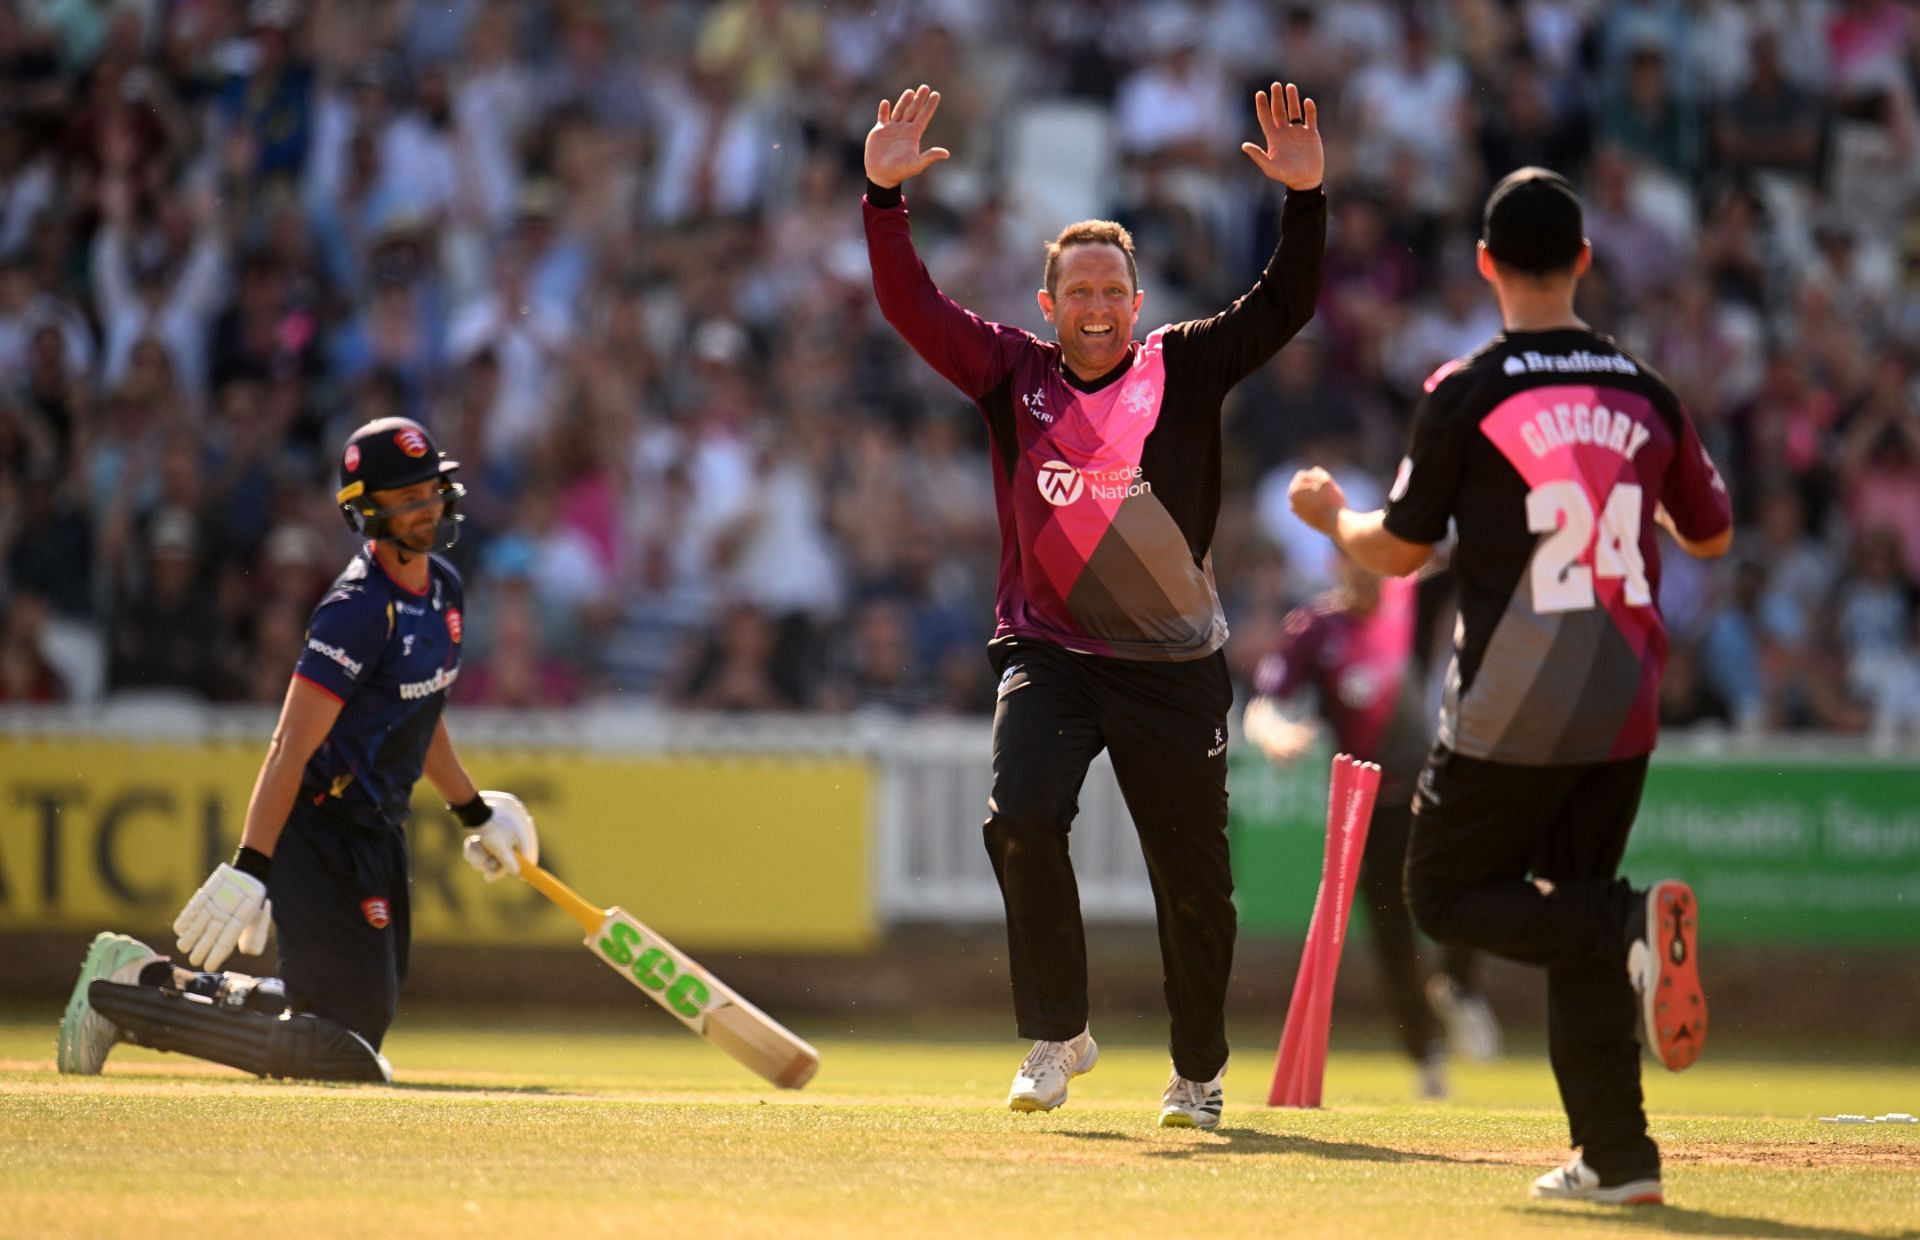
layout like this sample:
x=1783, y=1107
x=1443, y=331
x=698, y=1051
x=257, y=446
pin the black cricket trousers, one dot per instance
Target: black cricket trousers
x=1483, y=833
x=1165, y=726
x=343, y=917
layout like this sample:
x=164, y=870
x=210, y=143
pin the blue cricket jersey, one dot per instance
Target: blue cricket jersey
x=388, y=656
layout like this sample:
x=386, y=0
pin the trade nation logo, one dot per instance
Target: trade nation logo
x=1060, y=483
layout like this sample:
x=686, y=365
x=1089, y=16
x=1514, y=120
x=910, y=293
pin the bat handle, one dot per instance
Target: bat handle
x=571, y=902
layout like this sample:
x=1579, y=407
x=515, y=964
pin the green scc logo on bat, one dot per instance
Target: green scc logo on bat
x=656, y=970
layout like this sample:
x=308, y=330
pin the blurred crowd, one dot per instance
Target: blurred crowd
x=611, y=254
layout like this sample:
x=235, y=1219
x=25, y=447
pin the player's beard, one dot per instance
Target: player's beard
x=412, y=544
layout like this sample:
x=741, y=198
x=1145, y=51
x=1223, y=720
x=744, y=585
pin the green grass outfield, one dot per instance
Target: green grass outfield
x=620, y=1124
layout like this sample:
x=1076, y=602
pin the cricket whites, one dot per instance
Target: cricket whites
x=674, y=980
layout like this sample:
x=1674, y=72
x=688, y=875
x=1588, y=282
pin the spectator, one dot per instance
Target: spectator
x=24, y=310
x=515, y=674
x=1649, y=119
x=160, y=641
x=1769, y=125
x=1874, y=609
x=1174, y=107
x=25, y=674
x=1525, y=123
x=1413, y=104
x=659, y=631
x=874, y=665
x=51, y=554
x=269, y=105
x=1880, y=461
x=151, y=286
x=735, y=671
x=1799, y=572
x=1638, y=251
x=263, y=333
x=1458, y=322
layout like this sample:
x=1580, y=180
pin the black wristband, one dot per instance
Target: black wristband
x=474, y=813
x=885, y=197
x=252, y=861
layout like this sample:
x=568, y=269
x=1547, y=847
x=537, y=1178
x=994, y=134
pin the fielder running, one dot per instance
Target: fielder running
x=1554, y=453
x=1348, y=657
x=1106, y=454
x=323, y=856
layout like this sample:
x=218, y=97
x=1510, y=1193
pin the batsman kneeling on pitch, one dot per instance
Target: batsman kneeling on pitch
x=323, y=856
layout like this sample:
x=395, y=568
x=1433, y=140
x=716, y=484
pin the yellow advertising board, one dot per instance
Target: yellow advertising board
x=753, y=853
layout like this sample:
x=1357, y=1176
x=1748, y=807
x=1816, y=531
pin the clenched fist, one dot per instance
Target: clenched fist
x=1317, y=499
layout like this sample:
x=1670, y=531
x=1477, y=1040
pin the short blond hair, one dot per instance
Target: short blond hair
x=1091, y=232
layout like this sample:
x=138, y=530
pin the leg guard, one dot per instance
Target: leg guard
x=292, y=1044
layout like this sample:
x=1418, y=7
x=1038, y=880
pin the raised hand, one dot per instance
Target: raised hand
x=1292, y=155
x=893, y=144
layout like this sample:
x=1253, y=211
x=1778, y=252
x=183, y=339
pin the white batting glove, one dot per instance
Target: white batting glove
x=490, y=848
x=230, y=910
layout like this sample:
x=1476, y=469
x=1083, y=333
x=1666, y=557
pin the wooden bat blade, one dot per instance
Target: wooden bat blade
x=755, y=1039
x=702, y=1002
x=681, y=985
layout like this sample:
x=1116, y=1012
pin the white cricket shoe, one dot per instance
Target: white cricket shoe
x=1041, y=1082
x=85, y=1035
x=1473, y=1032
x=1191, y=1104
x=1578, y=1182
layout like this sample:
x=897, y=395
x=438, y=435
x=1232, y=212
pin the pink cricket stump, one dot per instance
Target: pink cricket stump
x=1300, y=1069
x=1293, y=1037
x=1355, y=815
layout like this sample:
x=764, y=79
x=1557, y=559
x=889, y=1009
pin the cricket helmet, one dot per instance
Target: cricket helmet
x=386, y=454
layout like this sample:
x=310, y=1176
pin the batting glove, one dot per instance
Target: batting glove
x=230, y=910
x=509, y=829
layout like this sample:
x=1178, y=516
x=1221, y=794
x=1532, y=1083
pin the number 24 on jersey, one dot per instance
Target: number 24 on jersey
x=1568, y=560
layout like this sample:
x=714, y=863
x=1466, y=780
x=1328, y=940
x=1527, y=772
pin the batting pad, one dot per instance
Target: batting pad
x=296, y=1045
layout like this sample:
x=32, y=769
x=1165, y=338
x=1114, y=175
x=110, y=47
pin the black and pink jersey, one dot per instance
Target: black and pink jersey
x=1107, y=491
x=1551, y=451
x=1361, y=672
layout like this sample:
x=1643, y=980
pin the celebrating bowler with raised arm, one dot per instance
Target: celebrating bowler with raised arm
x=1108, y=628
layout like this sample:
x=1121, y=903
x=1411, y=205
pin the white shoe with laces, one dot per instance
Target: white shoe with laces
x=1191, y=1104
x=1041, y=1082
x=1578, y=1182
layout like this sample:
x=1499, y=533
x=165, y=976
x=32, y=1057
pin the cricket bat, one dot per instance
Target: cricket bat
x=677, y=982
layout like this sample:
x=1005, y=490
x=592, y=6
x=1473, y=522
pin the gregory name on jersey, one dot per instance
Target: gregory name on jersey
x=1566, y=424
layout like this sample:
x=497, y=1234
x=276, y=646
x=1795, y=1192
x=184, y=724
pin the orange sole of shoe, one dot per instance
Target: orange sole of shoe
x=1680, y=1005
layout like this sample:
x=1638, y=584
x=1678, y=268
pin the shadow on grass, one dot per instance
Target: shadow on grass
x=344, y=1087
x=1682, y=1221
x=1253, y=1141
x=460, y=1087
